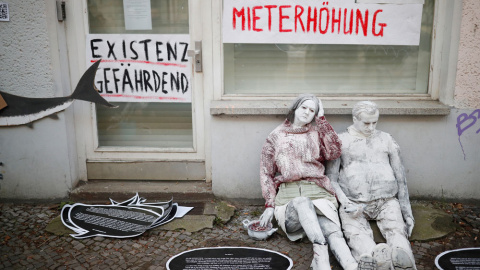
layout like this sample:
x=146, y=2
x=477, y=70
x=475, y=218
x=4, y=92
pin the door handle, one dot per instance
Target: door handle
x=196, y=54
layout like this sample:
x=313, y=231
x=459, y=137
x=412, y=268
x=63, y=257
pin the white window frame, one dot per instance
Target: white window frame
x=88, y=149
x=446, y=25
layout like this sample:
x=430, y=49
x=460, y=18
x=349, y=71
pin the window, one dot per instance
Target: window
x=273, y=69
x=143, y=124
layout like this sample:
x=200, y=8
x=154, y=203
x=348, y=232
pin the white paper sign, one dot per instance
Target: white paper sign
x=138, y=14
x=141, y=68
x=4, y=13
x=321, y=22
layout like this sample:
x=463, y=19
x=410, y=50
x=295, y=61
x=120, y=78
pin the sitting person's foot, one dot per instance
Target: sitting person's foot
x=382, y=255
x=366, y=262
x=401, y=260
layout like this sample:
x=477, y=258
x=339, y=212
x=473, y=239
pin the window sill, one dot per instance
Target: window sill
x=332, y=107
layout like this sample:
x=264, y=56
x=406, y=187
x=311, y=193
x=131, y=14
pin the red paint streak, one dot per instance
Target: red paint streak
x=140, y=62
x=143, y=97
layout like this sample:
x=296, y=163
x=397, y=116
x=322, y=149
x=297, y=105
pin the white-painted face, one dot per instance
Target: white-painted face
x=304, y=113
x=366, y=123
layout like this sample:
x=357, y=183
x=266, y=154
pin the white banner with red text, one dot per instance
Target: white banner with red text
x=322, y=22
x=141, y=68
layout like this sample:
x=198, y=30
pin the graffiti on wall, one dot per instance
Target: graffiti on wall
x=465, y=122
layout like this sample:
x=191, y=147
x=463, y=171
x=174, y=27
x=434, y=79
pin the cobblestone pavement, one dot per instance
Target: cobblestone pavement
x=24, y=243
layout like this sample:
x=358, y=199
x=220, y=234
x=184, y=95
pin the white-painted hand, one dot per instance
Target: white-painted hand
x=410, y=223
x=321, y=112
x=352, y=208
x=266, y=217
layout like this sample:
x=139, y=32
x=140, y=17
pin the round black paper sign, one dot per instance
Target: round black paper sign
x=229, y=258
x=459, y=259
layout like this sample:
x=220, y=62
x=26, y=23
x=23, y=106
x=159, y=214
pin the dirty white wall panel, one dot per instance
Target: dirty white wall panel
x=37, y=163
x=434, y=161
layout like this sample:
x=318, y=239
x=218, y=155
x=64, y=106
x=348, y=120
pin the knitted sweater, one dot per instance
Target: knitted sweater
x=293, y=154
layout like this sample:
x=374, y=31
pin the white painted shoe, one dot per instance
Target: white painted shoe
x=401, y=260
x=366, y=262
x=382, y=254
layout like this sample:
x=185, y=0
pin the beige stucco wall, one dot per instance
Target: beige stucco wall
x=467, y=90
x=25, y=57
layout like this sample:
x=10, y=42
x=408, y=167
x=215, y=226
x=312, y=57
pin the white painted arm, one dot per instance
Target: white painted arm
x=332, y=172
x=403, y=197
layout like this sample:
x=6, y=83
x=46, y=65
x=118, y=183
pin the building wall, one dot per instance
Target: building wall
x=39, y=163
x=36, y=161
x=435, y=163
x=467, y=92
x=441, y=159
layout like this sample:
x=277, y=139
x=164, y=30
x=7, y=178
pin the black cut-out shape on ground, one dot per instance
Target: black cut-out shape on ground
x=109, y=220
x=240, y=258
x=459, y=259
x=170, y=208
x=167, y=217
x=121, y=219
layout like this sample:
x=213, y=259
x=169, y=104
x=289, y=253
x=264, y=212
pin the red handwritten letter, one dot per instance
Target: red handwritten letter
x=298, y=18
x=323, y=31
x=238, y=13
x=269, y=7
x=283, y=17
x=364, y=23
x=336, y=21
x=255, y=18
x=311, y=19
x=345, y=21
x=382, y=25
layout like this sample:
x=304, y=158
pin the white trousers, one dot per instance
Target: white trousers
x=389, y=219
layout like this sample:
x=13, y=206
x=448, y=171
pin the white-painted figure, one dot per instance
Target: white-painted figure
x=294, y=184
x=370, y=184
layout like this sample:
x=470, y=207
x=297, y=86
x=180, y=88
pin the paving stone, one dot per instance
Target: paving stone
x=32, y=246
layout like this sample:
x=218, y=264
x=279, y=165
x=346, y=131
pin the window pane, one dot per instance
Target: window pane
x=330, y=69
x=168, y=17
x=143, y=124
x=146, y=125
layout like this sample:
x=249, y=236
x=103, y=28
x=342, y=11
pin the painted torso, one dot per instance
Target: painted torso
x=366, y=173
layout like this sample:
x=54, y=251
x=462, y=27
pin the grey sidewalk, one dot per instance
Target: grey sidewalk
x=25, y=243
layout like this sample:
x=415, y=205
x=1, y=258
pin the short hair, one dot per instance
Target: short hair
x=298, y=101
x=368, y=107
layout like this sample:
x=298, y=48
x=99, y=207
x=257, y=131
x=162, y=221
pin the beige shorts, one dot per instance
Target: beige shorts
x=324, y=202
x=289, y=191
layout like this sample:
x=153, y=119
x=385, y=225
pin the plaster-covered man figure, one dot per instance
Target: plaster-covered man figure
x=370, y=184
x=294, y=184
